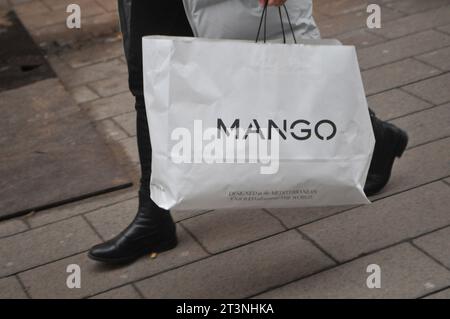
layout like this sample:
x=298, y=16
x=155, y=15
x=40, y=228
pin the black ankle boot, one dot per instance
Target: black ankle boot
x=152, y=230
x=390, y=142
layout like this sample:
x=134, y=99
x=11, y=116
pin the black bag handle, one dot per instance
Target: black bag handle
x=264, y=18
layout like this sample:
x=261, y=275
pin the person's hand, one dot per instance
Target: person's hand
x=276, y=3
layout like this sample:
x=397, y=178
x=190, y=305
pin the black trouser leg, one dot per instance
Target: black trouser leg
x=144, y=146
x=149, y=18
x=166, y=17
x=153, y=229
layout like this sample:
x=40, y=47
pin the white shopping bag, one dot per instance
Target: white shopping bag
x=237, y=124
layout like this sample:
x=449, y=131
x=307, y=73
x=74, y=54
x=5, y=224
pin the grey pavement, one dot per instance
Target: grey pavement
x=296, y=253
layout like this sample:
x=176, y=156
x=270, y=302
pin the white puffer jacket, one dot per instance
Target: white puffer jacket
x=239, y=19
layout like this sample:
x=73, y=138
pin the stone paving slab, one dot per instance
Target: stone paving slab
x=396, y=74
x=186, y=214
x=437, y=244
x=110, y=130
x=11, y=227
x=434, y=89
x=75, y=77
x=62, y=70
x=57, y=15
x=439, y=58
x=129, y=145
x=405, y=273
x=94, y=26
x=21, y=60
x=47, y=21
x=111, y=220
x=49, y=281
x=83, y=94
x=414, y=23
x=318, y=17
x=385, y=222
x=249, y=269
x=108, y=87
x=57, y=5
x=360, y=38
x=445, y=294
x=125, y=292
x=108, y=5
x=332, y=27
x=62, y=239
x=395, y=103
x=79, y=207
x=110, y=106
x=128, y=122
x=414, y=6
x=402, y=48
x=426, y=126
x=96, y=53
x=340, y=7
x=31, y=7
x=49, y=144
x=445, y=29
x=39, y=105
x=292, y=218
x=10, y=288
x=241, y=272
x=223, y=229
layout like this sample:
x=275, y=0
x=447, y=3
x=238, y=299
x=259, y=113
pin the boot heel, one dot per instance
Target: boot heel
x=401, y=143
x=166, y=245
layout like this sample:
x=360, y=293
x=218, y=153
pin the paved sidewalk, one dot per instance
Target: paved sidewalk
x=302, y=253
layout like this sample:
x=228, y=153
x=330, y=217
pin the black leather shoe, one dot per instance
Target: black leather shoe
x=390, y=142
x=152, y=230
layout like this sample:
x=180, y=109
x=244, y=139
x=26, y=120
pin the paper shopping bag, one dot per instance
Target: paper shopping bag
x=237, y=124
